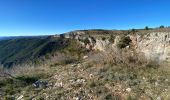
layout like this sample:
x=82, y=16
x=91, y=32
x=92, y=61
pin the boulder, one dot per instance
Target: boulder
x=40, y=84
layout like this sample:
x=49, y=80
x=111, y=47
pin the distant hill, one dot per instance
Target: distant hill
x=5, y=38
x=18, y=50
x=17, y=37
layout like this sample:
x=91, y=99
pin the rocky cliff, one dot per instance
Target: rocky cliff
x=154, y=45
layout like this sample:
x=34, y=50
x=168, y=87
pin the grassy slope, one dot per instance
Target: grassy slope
x=101, y=82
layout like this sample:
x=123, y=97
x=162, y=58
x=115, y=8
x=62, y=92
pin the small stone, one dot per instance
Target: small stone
x=73, y=65
x=40, y=84
x=20, y=97
x=128, y=89
x=91, y=75
x=156, y=84
x=85, y=57
x=58, y=84
x=78, y=65
x=76, y=98
x=80, y=81
x=158, y=98
x=57, y=77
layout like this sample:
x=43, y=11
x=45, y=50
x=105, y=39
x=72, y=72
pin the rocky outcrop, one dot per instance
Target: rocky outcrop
x=101, y=45
x=155, y=46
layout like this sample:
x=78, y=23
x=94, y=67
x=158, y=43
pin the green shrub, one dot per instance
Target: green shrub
x=9, y=89
x=146, y=28
x=162, y=26
x=124, y=41
x=93, y=84
x=93, y=39
x=103, y=38
x=86, y=41
x=110, y=97
x=27, y=79
x=152, y=64
x=112, y=39
x=75, y=50
x=64, y=62
x=9, y=98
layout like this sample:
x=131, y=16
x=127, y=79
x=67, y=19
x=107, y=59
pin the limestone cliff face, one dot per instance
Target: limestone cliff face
x=155, y=46
x=101, y=45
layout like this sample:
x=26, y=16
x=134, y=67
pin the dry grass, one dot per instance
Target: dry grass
x=120, y=75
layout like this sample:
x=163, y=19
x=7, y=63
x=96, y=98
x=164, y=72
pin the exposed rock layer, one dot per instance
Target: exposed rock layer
x=154, y=45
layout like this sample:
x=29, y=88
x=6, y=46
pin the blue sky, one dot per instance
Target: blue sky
x=43, y=17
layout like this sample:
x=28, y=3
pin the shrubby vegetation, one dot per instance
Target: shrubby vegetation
x=124, y=41
x=112, y=38
x=162, y=26
x=146, y=28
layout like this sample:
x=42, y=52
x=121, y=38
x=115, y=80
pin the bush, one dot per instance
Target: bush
x=103, y=38
x=92, y=84
x=162, y=26
x=27, y=79
x=112, y=39
x=133, y=30
x=109, y=97
x=152, y=64
x=86, y=41
x=64, y=62
x=93, y=39
x=146, y=28
x=124, y=41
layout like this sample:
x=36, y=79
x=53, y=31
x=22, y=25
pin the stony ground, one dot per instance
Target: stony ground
x=83, y=81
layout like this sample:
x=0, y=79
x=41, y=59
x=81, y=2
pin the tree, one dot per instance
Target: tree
x=133, y=30
x=86, y=41
x=146, y=28
x=112, y=38
x=162, y=26
x=124, y=41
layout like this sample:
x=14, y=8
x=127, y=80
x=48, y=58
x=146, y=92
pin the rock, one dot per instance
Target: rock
x=76, y=98
x=128, y=89
x=40, y=84
x=158, y=98
x=101, y=45
x=20, y=97
x=85, y=57
x=154, y=45
x=80, y=81
x=77, y=82
x=91, y=76
x=57, y=77
x=78, y=65
x=73, y=65
x=156, y=84
x=60, y=85
x=166, y=80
